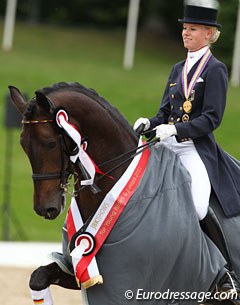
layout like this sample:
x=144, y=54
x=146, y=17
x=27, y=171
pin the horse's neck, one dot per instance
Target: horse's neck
x=108, y=137
x=87, y=200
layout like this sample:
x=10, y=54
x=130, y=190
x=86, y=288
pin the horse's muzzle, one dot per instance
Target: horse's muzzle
x=51, y=211
x=48, y=213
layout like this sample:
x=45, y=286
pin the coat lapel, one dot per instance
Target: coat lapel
x=190, y=75
x=179, y=79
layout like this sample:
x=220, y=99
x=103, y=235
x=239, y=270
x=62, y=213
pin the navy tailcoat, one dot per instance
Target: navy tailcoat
x=208, y=105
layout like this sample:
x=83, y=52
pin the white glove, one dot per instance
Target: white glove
x=165, y=131
x=140, y=121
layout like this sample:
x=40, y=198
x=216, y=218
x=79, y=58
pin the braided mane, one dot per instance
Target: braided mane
x=64, y=86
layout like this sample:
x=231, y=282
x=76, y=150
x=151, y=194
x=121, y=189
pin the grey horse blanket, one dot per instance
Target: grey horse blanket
x=230, y=228
x=157, y=245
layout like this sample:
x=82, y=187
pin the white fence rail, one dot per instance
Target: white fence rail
x=26, y=254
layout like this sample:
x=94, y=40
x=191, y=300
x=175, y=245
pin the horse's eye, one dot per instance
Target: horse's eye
x=51, y=145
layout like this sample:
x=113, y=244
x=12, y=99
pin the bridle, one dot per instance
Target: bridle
x=65, y=175
x=66, y=171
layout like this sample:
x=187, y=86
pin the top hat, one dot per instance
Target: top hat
x=201, y=12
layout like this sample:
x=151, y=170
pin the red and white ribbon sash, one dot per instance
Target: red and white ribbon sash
x=74, y=134
x=104, y=219
x=74, y=223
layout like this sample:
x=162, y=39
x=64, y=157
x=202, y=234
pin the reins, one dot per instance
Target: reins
x=138, y=151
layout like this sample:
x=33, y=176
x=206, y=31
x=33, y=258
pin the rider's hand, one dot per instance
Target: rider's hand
x=165, y=131
x=143, y=121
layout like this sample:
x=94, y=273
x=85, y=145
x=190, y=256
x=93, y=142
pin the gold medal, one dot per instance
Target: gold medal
x=185, y=118
x=187, y=106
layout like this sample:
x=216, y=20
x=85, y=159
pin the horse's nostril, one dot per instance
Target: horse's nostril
x=51, y=213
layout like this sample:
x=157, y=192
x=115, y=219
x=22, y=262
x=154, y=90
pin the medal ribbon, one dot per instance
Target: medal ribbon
x=187, y=89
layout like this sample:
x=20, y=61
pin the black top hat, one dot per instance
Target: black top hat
x=198, y=14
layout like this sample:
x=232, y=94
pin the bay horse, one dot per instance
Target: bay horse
x=111, y=144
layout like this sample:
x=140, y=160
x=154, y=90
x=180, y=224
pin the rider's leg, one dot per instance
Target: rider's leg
x=201, y=186
x=212, y=228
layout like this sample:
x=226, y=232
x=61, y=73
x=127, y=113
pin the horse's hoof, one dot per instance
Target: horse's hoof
x=39, y=279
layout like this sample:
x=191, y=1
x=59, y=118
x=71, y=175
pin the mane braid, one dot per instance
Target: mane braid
x=30, y=109
x=90, y=93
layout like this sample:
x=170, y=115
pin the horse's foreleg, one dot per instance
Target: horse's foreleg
x=45, y=276
x=51, y=274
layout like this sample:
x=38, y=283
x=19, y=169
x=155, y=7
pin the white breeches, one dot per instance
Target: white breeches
x=201, y=186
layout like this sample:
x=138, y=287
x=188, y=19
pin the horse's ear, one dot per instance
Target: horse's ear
x=43, y=101
x=17, y=99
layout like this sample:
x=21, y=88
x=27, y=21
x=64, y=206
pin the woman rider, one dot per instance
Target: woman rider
x=192, y=108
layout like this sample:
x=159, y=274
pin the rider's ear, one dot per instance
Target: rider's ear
x=44, y=102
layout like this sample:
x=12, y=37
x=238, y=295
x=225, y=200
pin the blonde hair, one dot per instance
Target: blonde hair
x=215, y=35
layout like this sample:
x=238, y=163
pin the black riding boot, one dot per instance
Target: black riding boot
x=211, y=226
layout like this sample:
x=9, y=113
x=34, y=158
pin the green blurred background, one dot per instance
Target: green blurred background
x=46, y=52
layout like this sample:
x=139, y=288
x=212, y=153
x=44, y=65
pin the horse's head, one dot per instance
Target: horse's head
x=46, y=149
x=49, y=148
